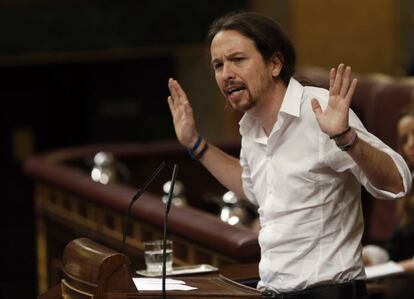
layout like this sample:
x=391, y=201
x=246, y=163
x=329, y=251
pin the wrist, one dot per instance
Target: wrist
x=346, y=140
x=195, y=143
x=199, y=147
x=191, y=141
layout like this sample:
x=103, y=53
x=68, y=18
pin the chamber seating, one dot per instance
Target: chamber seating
x=70, y=205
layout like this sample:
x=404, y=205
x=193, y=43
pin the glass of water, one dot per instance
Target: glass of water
x=153, y=256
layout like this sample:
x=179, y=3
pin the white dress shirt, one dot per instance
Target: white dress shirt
x=308, y=194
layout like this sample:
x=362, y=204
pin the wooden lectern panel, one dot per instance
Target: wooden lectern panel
x=92, y=270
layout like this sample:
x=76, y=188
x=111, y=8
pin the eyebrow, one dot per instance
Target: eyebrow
x=229, y=56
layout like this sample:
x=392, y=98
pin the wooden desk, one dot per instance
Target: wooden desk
x=208, y=286
x=400, y=287
x=95, y=271
x=397, y=287
x=246, y=274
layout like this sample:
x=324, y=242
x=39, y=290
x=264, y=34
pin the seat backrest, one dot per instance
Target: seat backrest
x=386, y=111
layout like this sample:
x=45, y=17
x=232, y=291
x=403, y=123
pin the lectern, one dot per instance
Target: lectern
x=91, y=270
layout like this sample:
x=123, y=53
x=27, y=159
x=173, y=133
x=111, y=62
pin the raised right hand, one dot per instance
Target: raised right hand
x=182, y=114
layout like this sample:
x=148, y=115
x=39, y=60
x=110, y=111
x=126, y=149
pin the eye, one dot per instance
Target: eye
x=238, y=59
x=217, y=65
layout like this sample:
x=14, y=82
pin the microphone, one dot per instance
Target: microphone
x=137, y=196
x=164, y=240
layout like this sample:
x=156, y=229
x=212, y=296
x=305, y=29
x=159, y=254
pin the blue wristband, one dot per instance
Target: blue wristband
x=191, y=151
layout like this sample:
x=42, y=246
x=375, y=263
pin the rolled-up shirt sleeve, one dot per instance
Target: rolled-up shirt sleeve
x=341, y=161
x=402, y=169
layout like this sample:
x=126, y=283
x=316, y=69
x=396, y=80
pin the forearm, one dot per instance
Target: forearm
x=225, y=168
x=378, y=166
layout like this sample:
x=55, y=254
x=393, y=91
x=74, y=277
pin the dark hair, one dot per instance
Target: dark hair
x=267, y=35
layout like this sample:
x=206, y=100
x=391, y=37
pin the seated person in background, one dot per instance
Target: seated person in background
x=400, y=247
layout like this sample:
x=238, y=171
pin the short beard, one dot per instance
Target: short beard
x=245, y=106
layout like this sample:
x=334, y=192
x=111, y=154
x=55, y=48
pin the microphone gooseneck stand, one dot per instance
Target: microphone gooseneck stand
x=164, y=240
x=137, y=196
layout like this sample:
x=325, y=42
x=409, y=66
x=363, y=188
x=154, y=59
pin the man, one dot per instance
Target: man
x=304, y=155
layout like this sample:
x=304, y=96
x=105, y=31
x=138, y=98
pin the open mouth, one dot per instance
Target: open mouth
x=234, y=90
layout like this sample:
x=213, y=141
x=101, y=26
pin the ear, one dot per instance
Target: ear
x=276, y=64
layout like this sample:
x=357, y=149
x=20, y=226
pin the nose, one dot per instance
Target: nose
x=228, y=72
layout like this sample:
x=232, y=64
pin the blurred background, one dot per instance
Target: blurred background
x=81, y=72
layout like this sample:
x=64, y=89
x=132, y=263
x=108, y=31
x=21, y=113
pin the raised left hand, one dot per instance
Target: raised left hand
x=334, y=120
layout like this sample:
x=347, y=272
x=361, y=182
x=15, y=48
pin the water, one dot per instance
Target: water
x=153, y=260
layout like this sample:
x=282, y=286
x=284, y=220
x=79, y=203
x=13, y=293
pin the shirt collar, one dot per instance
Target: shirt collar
x=290, y=105
x=293, y=98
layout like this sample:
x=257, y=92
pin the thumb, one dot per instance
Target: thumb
x=316, y=107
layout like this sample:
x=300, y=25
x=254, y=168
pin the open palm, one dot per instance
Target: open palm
x=334, y=119
x=182, y=114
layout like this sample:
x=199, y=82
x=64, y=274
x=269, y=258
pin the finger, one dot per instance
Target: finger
x=345, y=82
x=351, y=91
x=316, y=107
x=179, y=92
x=178, y=88
x=172, y=89
x=338, y=79
x=332, y=75
x=171, y=105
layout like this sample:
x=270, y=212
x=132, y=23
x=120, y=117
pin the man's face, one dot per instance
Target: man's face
x=240, y=71
x=406, y=135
